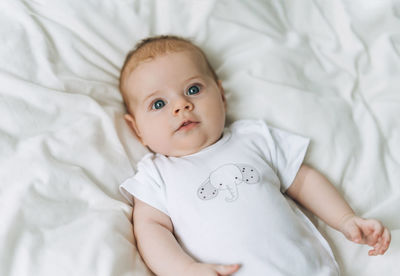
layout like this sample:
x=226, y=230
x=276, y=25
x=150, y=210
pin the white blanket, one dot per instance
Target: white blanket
x=324, y=69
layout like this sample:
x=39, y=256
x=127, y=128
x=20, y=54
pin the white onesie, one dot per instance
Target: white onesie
x=227, y=205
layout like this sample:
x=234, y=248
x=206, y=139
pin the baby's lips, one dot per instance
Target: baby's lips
x=186, y=122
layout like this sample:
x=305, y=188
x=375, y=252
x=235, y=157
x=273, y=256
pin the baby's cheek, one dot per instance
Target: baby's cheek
x=154, y=136
x=160, y=144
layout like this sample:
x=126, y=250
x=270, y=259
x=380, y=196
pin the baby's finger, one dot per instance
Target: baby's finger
x=382, y=245
x=378, y=228
x=373, y=238
x=372, y=230
x=372, y=252
x=226, y=269
x=384, y=241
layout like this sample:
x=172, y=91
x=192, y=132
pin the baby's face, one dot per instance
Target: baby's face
x=178, y=107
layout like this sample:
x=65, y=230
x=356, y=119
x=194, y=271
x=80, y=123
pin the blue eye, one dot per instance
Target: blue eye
x=158, y=104
x=193, y=90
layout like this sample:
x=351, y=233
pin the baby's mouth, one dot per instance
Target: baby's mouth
x=186, y=125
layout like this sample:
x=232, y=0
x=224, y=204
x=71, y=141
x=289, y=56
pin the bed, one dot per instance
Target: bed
x=328, y=70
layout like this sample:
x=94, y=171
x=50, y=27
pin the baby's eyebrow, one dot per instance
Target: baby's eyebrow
x=191, y=78
x=149, y=96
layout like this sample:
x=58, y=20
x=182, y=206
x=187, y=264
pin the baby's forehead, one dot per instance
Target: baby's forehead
x=195, y=56
x=177, y=66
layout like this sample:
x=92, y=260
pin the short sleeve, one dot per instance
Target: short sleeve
x=287, y=152
x=146, y=185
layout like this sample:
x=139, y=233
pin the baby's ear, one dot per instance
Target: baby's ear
x=130, y=120
x=222, y=91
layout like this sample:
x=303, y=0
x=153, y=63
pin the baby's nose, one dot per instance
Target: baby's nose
x=183, y=105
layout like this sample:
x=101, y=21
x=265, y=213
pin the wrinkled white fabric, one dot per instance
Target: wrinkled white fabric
x=326, y=69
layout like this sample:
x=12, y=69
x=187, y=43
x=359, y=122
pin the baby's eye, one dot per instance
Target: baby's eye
x=158, y=104
x=194, y=89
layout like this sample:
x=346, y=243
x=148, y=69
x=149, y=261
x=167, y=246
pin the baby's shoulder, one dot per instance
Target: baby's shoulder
x=152, y=162
x=146, y=162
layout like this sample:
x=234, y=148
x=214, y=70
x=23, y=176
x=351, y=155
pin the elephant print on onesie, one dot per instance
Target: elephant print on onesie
x=227, y=178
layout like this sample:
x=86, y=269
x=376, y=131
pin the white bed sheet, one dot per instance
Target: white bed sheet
x=325, y=69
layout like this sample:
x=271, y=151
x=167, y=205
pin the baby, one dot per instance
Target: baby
x=211, y=200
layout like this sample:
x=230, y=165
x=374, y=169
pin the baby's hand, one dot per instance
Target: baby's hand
x=367, y=231
x=201, y=269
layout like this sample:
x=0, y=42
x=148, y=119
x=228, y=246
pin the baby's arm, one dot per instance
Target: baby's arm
x=160, y=250
x=313, y=191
